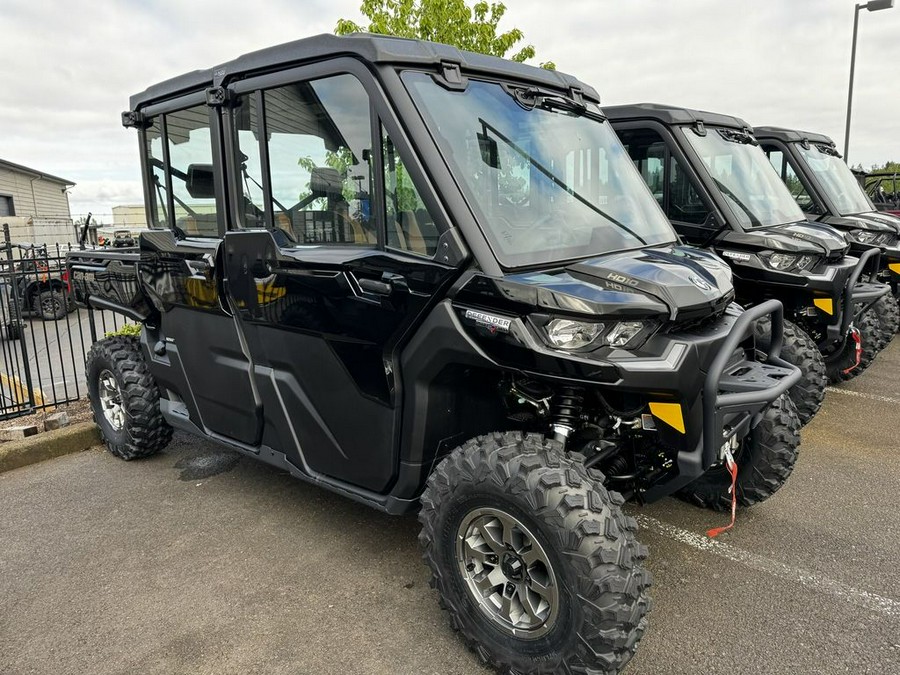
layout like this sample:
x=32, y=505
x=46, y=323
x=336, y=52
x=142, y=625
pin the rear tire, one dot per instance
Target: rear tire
x=595, y=614
x=868, y=327
x=800, y=350
x=765, y=461
x=50, y=305
x=125, y=399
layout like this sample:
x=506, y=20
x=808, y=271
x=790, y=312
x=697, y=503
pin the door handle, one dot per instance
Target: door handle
x=390, y=282
x=377, y=287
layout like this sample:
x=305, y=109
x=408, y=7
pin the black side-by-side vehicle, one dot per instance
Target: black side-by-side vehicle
x=429, y=279
x=716, y=186
x=825, y=188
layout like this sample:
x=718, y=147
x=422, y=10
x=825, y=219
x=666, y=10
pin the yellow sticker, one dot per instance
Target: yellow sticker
x=670, y=413
x=825, y=304
x=894, y=267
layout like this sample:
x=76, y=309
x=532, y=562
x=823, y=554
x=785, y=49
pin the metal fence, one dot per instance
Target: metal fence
x=43, y=336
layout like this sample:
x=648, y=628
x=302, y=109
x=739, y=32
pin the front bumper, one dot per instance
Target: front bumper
x=735, y=394
x=857, y=297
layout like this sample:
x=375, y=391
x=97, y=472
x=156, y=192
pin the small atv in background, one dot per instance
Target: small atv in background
x=461, y=302
x=828, y=192
x=38, y=286
x=720, y=193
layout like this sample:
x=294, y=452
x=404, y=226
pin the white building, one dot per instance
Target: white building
x=35, y=205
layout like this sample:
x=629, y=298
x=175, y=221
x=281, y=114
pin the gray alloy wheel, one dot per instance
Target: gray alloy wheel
x=507, y=572
x=111, y=400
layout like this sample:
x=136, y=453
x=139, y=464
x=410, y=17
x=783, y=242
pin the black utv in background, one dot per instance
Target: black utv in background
x=827, y=191
x=462, y=300
x=719, y=191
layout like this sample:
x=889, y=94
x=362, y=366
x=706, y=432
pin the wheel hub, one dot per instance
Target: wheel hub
x=110, y=396
x=513, y=567
x=507, y=573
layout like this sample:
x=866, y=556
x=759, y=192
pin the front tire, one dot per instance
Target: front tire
x=534, y=560
x=837, y=370
x=125, y=399
x=888, y=313
x=765, y=460
x=799, y=350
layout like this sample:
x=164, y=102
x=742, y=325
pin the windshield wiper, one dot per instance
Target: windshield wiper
x=754, y=221
x=533, y=97
x=557, y=181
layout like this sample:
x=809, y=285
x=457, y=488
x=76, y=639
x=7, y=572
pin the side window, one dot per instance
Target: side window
x=247, y=128
x=319, y=147
x=191, y=172
x=776, y=159
x=648, y=152
x=410, y=227
x=153, y=139
x=685, y=204
x=798, y=192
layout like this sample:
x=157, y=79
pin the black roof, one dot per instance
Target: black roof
x=670, y=114
x=365, y=46
x=790, y=135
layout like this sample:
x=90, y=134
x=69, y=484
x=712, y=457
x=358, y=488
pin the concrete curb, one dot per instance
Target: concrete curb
x=48, y=445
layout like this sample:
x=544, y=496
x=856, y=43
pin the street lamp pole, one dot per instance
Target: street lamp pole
x=872, y=6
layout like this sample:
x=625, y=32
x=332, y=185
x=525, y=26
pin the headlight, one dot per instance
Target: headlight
x=623, y=333
x=785, y=262
x=568, y=334
x=864, y=236
x=571, y=334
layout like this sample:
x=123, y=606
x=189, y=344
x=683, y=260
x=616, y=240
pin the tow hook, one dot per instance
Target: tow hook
x=857, y=348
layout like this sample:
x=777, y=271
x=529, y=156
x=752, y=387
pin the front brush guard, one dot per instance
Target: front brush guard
x=857, y=297
x=735, y=394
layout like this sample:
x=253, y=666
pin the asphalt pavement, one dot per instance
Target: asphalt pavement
x=199, y=561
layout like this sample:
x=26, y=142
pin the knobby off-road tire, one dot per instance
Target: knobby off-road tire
x=798, y=349
x=577, y=526
x=765, y=460
x=868, y=327
x=50, y=305
x=888, y=313
x=125, y=399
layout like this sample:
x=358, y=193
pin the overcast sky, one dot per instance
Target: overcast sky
x=69, y=68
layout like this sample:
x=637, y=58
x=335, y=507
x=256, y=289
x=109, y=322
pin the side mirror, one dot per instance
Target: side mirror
x=200, y=184
x=489, y=153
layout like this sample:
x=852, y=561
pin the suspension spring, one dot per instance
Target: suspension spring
x=567, y=406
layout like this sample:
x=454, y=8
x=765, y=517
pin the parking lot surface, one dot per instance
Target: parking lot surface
x=199, y=561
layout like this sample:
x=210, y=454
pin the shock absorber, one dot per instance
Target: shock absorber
x=567, y=405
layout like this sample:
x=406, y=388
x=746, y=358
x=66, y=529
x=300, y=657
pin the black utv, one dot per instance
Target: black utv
x=720, y=193
x=827, y=191
x=433, y=280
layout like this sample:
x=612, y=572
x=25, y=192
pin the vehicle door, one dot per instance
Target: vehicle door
x=670, y=177
x=335, y=265
x=196, y=355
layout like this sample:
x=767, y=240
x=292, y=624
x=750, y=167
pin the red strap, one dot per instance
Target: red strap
x=857, y=349
x=733, y=470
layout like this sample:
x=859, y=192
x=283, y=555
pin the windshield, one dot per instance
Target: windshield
x=548, y=180
x=745, y=177
x=837, y=181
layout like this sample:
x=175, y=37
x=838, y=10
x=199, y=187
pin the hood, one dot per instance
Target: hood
x=881, y=218
x=689, y=282
x=803, y=237
x=666, y=282
x=862, y=221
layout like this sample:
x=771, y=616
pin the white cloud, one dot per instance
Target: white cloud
x=768, y=61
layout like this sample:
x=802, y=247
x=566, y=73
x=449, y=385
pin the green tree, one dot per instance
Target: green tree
x=452, y=22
